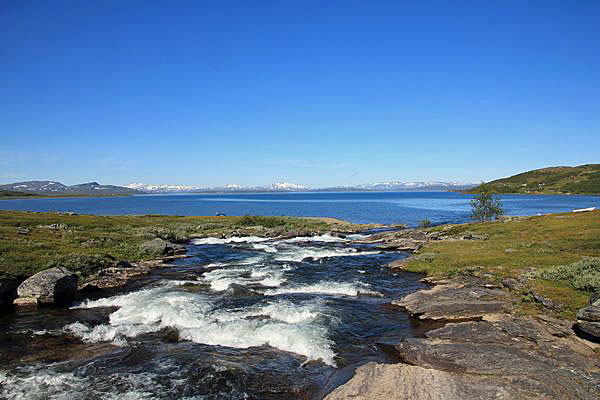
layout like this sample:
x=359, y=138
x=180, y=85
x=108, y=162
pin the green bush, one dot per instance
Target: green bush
x=581, y=275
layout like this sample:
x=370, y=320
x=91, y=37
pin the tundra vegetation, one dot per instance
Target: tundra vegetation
x=31, y=242
x=555, y=256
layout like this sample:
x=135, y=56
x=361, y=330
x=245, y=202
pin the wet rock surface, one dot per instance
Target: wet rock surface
x=119, y=275
x=484, y=352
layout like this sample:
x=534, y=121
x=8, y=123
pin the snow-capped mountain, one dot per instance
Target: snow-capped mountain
x=157, y=188
x=231, y=187
x=57, y=188
x=397, y=185
x=287, y=186
x=36, y=187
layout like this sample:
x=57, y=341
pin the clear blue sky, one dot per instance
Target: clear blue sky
x=312, y=92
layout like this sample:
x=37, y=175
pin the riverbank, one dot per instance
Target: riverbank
x=104, y=252
x=516, y=308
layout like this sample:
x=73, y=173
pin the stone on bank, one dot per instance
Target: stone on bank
x=54, y=286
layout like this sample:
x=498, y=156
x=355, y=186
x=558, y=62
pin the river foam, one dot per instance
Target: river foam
x=331, y=288
x=282, y=325
x=234, y=239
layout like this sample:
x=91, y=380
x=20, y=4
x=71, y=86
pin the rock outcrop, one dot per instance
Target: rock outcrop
x=374, y=381
x=119, y=275
x=588, y=322
x=455, y=302
x=413, y=239
x=56, y=286
x=484, y=353
x=161, y=247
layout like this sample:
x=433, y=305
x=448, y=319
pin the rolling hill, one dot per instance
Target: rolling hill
x=54, y=188
x=584, y=179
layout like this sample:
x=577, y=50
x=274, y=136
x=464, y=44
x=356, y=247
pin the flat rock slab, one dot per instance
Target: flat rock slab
x=400, y=381
x=508, y=358
x=539, y=359
x=455, y=302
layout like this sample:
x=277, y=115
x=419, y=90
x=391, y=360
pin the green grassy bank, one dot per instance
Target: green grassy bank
x=31, y=242
x=532, y=248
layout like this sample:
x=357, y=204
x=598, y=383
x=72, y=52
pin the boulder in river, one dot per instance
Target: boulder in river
x=161, y=247
x=56, y=286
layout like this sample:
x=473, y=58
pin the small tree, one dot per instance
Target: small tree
x=486, y=207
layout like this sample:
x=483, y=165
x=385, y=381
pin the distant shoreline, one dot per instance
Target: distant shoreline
x=42, y=196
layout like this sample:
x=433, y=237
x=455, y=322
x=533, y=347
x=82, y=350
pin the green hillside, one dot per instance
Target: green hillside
x=584, y=179
x=12, y=193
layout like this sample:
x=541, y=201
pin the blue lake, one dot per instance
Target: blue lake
x=363, y=207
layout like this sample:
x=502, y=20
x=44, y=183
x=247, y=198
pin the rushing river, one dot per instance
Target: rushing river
x=243, y=318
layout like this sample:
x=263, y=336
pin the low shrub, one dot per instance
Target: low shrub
x=581, y=275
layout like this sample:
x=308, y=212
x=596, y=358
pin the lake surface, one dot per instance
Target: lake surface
x=363, y=207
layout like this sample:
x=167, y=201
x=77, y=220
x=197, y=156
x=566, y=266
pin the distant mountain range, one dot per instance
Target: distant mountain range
x=57, y=188
x=583, y=179
x=292, y=187
x=232, y=187
x=94, y=188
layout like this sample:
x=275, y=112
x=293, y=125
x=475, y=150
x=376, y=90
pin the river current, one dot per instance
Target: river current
x=242, y=318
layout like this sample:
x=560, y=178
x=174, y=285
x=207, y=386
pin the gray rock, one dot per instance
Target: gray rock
x=588, y=330
x=23, y=231
x=8, y=292
x=528, y=357
x=55, y=227
x=161, y=247
x=595, y=297
x=589, y=313
x=399, y=381
x=454, y=302
x=473, y=236
x=546, y=302
x=512, y=284
x=52, y=286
